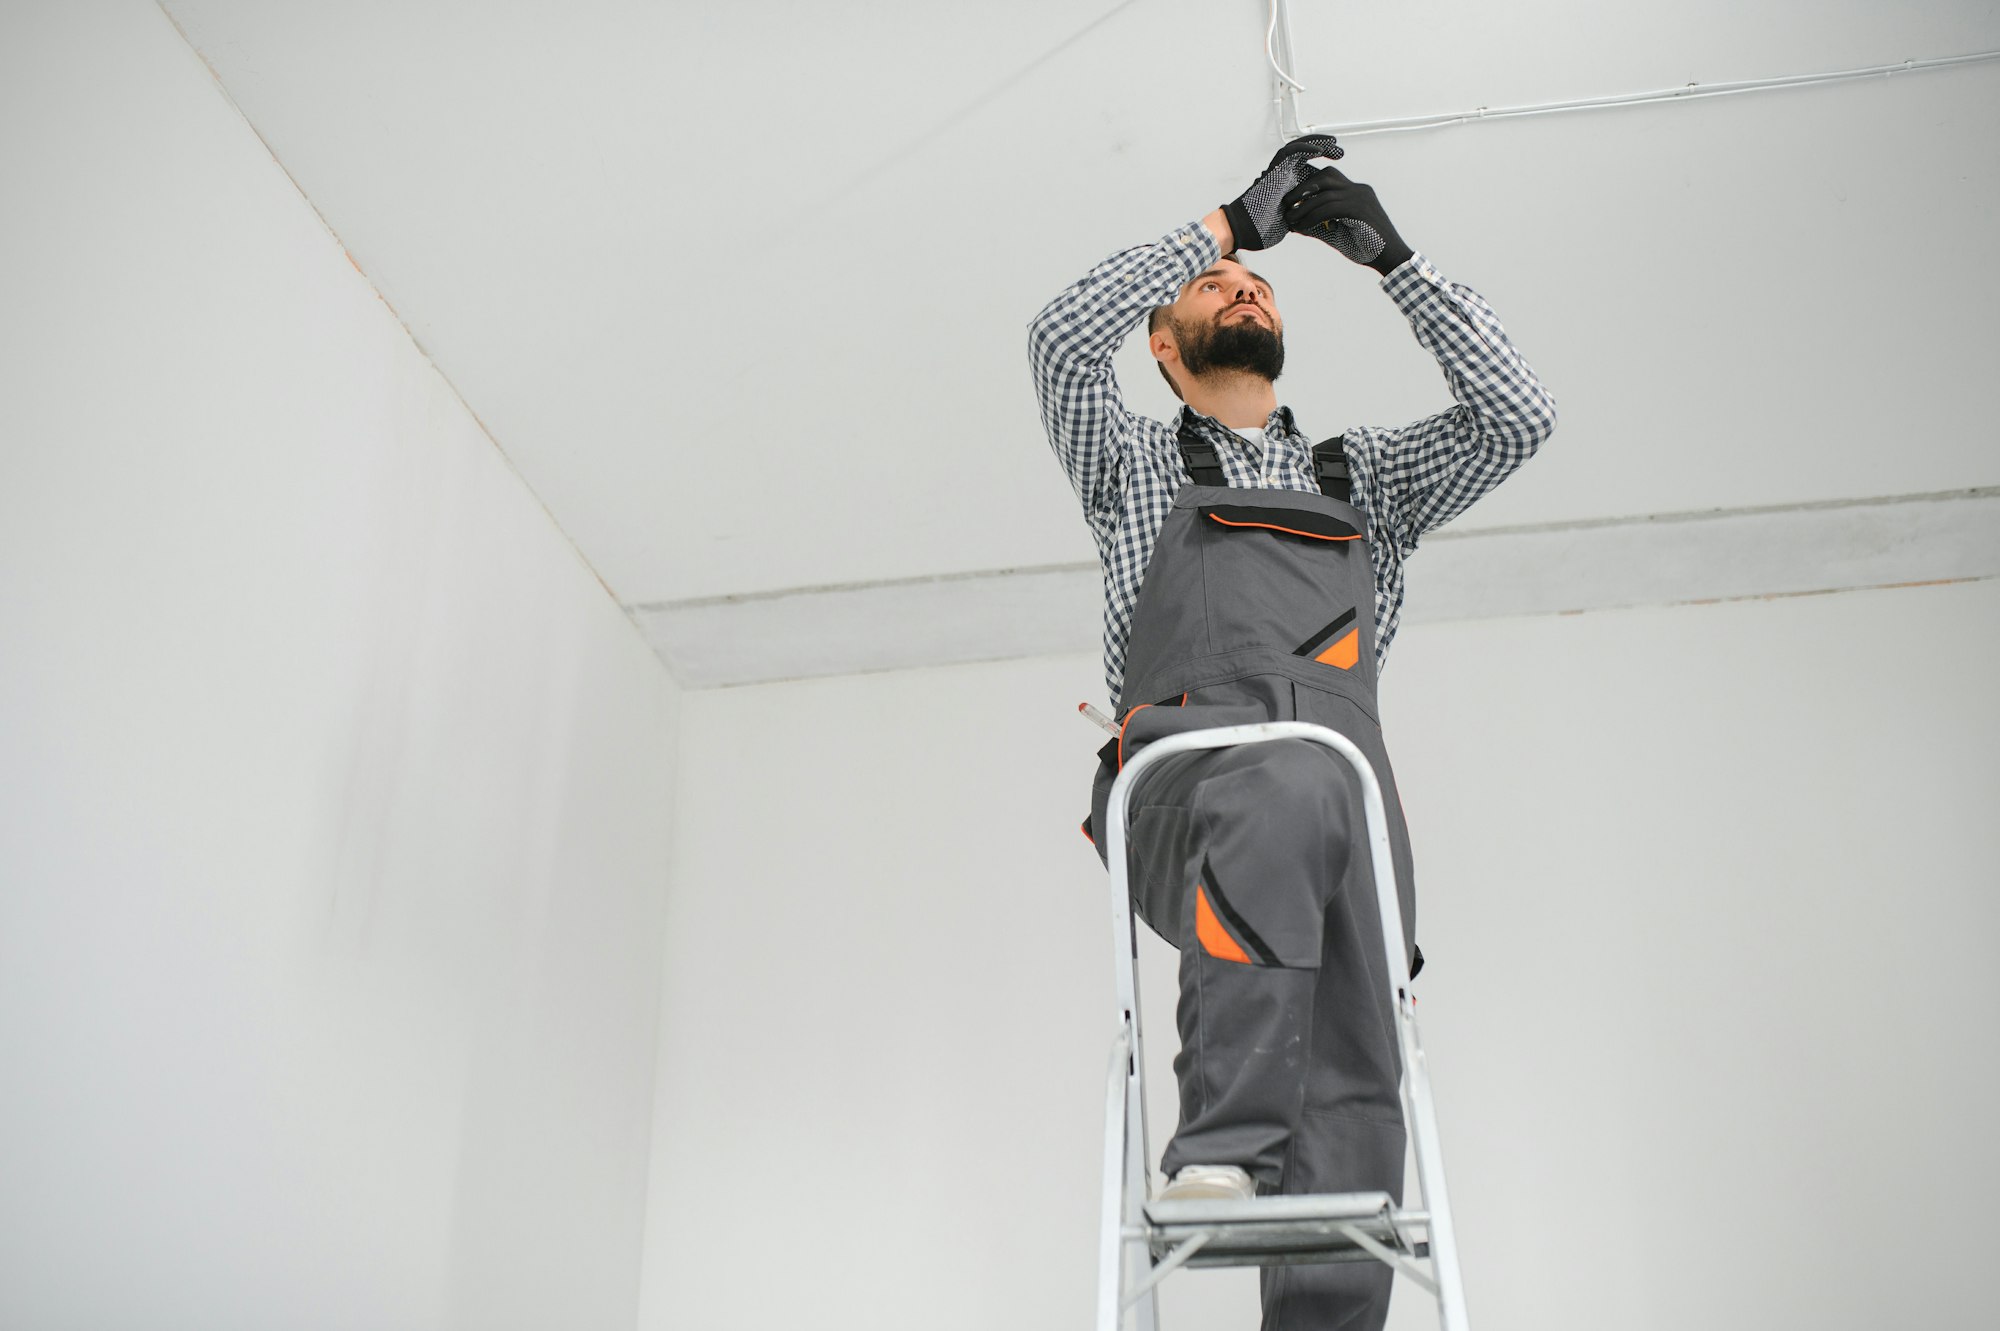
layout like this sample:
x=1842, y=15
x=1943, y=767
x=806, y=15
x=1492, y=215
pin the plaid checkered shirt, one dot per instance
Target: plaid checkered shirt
x=1126, y=468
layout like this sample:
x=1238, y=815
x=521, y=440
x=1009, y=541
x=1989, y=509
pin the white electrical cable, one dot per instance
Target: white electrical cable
x=1270, y=31
x=1685, y=93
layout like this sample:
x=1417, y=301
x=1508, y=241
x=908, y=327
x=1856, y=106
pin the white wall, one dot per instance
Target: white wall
x=1707, y=893
x=334, y=789
x=334, y=833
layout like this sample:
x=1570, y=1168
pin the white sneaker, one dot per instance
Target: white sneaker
x=1209, y=1183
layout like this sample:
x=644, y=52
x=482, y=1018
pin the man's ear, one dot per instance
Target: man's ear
x=1165, y=353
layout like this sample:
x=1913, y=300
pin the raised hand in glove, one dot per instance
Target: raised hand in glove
x=1327, y=206
x=1256, y=217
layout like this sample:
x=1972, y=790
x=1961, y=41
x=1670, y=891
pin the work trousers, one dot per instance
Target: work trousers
x=1254, y=861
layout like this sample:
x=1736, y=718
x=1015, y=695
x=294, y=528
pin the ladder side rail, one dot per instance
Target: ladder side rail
x=1134, y=1150
x=1138, y=1179
x=1111, y=1243
x=1416, y=1082
x=1430, y=1171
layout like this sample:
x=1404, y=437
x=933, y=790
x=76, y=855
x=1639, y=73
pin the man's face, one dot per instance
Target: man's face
x=1226, y=319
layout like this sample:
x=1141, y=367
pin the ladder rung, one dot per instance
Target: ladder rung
x=1274, y=1231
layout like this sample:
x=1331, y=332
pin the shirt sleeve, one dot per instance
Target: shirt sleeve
x=1430, y=471
x=1070, y=346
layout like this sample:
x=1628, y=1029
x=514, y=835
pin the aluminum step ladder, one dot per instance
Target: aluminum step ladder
x=1158, y=1238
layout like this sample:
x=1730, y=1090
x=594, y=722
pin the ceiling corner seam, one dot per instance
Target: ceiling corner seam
x=215, y=76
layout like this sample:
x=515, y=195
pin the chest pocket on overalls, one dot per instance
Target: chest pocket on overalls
x=1271, y=572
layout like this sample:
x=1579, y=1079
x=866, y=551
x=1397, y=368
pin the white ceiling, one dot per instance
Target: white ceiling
x=742, y=289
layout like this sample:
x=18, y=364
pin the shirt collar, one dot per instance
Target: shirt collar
x=1281, y=418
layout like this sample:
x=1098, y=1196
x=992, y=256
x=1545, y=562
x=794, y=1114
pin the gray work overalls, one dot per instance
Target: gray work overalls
x=1258, y=605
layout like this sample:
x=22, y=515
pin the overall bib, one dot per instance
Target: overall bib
x=1258, y=605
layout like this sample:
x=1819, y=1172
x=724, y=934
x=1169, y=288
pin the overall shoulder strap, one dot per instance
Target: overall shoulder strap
x=1203, y=463
x=1330, y=468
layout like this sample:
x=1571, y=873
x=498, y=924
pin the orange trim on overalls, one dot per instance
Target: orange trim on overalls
x=1121, y=731
x=1215, y=940
x=1289, y=531
x=1345, y=653
x=1128, y=721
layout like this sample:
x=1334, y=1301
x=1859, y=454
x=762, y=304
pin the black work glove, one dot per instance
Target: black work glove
x=1256, y=217
x=1327, y=206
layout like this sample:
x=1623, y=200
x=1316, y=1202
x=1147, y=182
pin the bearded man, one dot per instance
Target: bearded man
x=1249, y=577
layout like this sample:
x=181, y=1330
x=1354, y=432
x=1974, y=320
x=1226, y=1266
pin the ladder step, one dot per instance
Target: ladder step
x=1275, y=1231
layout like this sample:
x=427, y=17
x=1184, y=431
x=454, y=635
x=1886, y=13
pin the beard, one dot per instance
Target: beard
x=1241, y=344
